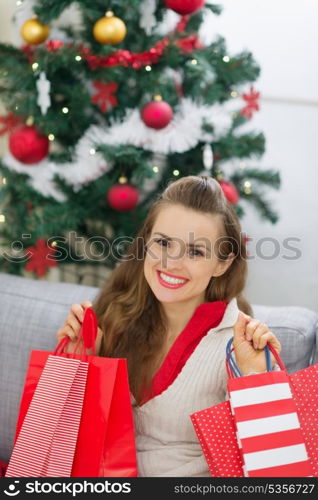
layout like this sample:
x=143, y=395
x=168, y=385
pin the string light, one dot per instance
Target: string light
x=242, y=164
x=247, y=187
x=54, y=244
x=35, y=66
x=2, y=218
x=78, y=58
x=65, y=110
x=148, y=68
x=176, y=172
x=51, y=137
x=194, y=62
x=226, y=59
x=122, y=179
x=3, y=181
x=234, y=93
x=155, y=169
x=19, y=2
x=92, y=151
x=30, y=121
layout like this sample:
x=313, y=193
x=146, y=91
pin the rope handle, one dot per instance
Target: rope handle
x=86, y=338
x=233, y=370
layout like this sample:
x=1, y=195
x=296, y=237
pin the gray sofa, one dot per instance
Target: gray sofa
x=31, y=312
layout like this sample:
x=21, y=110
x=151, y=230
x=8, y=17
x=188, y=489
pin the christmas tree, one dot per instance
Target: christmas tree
x=100, y=117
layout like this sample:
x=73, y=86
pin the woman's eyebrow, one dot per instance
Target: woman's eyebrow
x=190, y=245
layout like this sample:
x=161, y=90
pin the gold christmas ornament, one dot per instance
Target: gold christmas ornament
x=33, y=32
x=109, y=29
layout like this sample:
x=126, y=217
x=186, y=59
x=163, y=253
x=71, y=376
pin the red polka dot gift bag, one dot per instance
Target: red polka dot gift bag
x=268, y=428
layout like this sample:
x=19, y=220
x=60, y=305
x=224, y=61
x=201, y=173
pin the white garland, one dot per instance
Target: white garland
x=85, y=168
x=182, y=134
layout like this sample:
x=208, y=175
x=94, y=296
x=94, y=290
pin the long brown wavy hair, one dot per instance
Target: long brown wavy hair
x=128, y=312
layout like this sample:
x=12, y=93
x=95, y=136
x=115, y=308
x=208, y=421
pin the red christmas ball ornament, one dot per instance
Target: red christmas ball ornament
x=230, y=192
x=123, y=197
x=157, y=114
x=27, y=145
x=184, y=7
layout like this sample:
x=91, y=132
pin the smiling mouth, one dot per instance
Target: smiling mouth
x=170, y=281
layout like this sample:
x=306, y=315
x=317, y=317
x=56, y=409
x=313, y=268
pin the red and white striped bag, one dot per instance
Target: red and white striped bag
x=46, y=443
x=268, y=428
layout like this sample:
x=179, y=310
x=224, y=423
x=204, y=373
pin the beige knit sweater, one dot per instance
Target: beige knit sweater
x=166, y=441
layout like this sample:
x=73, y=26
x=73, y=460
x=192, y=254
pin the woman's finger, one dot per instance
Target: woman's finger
x=86, y=304
x=66, y=331
x=74, y=323
x=260, y=330
x=78, y=311
x=250, y=328
x=239, y=328
x=269, y=338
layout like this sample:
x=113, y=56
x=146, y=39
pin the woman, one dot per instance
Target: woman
x=170, y=308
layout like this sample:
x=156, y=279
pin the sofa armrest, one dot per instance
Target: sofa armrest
x=296, y=329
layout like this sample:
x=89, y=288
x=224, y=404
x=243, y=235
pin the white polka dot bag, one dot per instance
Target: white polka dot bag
x=271, y=429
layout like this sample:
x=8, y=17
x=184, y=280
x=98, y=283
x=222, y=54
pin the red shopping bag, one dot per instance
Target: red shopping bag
x=216, y=428
x=3, y=468
x=47, y=438
x=106, y=443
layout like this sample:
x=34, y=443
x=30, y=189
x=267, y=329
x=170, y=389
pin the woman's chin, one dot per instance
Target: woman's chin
x=167, y=296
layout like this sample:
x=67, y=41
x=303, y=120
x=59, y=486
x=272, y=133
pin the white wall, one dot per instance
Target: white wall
x=283, y=37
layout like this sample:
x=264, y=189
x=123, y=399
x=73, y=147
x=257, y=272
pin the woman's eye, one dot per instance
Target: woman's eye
x=162, y=243
x=195, y=253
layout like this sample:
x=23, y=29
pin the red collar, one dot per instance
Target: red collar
x=206, y=316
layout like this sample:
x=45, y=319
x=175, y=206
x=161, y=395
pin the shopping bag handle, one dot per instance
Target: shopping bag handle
x=234, y=371
x=88, y=334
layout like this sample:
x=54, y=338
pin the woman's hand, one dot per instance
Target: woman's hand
x=250, y=338
x=72, y=328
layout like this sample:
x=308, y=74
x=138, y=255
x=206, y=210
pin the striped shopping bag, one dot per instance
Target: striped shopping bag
x=216, y=427
x=267, y=424
x=46, y=443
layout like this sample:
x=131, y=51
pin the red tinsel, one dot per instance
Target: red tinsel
x=189, y=44
x=182, y=24
x=126, y=58
x=29, y=52
x=54, y=45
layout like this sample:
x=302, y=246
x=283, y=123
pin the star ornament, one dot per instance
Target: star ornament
x=252, y=103
x=105, y=96
x=8, y=123
x=40, y=258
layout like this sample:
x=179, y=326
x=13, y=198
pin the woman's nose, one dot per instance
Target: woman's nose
x=174, y=257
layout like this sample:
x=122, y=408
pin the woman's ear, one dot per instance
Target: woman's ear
x=223, y=265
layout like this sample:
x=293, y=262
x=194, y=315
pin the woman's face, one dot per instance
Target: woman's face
x=180, y=259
